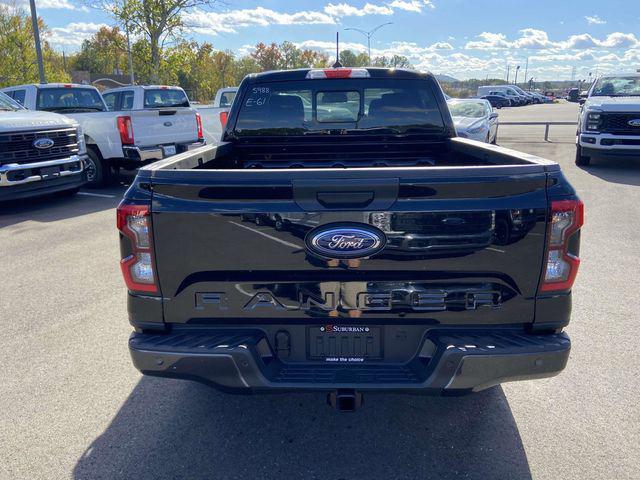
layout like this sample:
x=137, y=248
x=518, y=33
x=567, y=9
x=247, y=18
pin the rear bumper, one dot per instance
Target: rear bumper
x=455, y=362
x=41, y=178
x=146, y=154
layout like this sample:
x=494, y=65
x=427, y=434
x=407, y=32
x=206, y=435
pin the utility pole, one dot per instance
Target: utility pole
x=36, y=34
x=526, y=70
x=126, y=29
x=508, y=71
x=369, y=34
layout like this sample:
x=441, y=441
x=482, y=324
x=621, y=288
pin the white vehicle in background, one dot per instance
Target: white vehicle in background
x=40, y=152
x=609, y=119
x=214, y=116
x=145, y=124
x=475, y=119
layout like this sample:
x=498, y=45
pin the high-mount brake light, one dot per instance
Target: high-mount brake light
x=224, y=116
x=199, y=126
x=561, y=266
x=125, y=127
x=337, y=73
x=134, y=221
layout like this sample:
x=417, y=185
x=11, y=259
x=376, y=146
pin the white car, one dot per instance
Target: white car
x=40, y=152
x=475, y=119
x=609, y=120
x=143, y=123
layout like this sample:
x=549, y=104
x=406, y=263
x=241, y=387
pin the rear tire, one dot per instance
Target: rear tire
x=581, y=160
x=97, y=169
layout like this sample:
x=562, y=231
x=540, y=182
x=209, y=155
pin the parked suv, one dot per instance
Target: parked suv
x=609, y=119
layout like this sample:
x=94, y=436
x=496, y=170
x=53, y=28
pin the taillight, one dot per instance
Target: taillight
x=134, y=221
x=561, y=266
x=125, y=127
x=199, y=126
x=224, y=116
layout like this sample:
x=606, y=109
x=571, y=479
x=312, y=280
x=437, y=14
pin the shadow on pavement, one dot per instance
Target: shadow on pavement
x=172, y=429
x=625, y=171
x=52, y=207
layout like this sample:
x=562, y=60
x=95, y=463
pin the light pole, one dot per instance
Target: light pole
x=369, y=34
x=36, y=35
x=517, y=70
x=129, y=57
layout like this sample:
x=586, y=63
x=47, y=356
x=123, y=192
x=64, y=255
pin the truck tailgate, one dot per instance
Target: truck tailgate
x=458, y=245
x=164, y=126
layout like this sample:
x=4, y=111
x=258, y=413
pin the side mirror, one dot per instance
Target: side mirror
x=582, y=101
x=493, y=116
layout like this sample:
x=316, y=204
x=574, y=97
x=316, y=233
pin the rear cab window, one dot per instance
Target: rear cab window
x=226, y=99
x=350, y=106
x=111, y=100
x=69, y=99
x=165, y=98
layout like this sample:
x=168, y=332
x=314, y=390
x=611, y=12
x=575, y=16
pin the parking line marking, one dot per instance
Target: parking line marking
x=101, y=195
x=275, y=239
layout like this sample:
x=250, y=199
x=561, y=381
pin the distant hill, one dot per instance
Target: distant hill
x=446, y=79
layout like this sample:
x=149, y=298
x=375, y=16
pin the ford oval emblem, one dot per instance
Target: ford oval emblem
x=43, y=143
x=635, y=122
x=340, y=240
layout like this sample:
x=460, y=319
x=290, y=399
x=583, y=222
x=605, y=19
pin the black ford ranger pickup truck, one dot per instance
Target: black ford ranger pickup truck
x=342, y=239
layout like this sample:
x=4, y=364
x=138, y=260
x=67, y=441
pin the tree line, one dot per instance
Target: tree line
x=198, y=67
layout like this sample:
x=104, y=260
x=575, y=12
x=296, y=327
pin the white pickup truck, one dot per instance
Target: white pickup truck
x=144, y=123
x=214, y=116
x=40, y=152
x=609, y=120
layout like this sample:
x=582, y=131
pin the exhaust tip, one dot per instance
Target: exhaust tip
x=345, y=400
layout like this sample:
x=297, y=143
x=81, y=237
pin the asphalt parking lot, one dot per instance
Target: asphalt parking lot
x=73, y=407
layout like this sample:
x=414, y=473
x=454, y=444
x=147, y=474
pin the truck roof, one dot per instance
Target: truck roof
x=144, y=87
x=51, y=85
x=374, y=72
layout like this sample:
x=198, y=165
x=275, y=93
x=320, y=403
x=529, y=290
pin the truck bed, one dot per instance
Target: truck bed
x=455, y=152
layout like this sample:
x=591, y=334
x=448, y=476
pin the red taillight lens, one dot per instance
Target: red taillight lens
x=134, y=221
x=199, y=126
x=125, y=127
x=224, y=116
x=561, y=266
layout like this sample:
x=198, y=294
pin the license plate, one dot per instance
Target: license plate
x=344, y=343
x=169, y=150
x=49, y=171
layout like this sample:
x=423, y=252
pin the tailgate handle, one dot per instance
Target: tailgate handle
x=345, y=199
x=345, y=194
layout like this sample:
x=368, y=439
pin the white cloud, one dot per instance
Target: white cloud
x=594, y=20
x=212, y=23
x=73, y=34
x=533, y=39
x=346, y=10
x=411, y=5
x=48, y=5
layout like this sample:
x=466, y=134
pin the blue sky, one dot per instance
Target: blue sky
x=462, y=38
